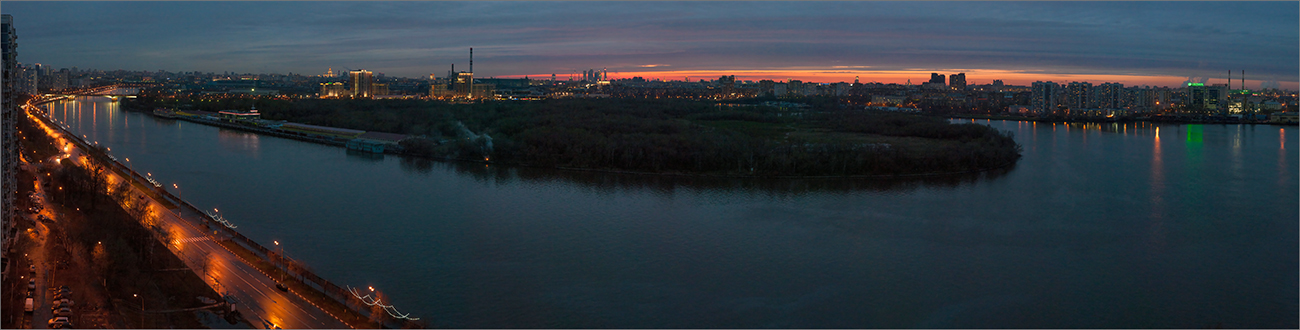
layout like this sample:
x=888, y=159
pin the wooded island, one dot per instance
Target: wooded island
x=741, y=138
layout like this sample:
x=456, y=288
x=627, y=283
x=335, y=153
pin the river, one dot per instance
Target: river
x=1131, y=225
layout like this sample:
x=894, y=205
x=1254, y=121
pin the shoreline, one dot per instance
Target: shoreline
x=1116, y=120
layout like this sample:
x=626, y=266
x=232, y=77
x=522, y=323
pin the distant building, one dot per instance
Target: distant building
x=957, y=81
x=1078, y=95
x=1043, y=97
x=1109, y=96
x=463, y=84
x=482, y=91
x=794, y=88
x=26, y=81
x=361, y=83
x=888, y=99
x=1284, y=117
x=767, y=86
x=333, y=90
x=1206, y=98
x=500, y=83
x=440, y=91
x=231, y=115
x=936, y=78
x=59, y=80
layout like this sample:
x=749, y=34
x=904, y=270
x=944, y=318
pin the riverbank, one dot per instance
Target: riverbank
x=1127, y=119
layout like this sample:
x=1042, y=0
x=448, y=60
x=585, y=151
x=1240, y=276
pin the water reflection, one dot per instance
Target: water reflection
x=1156, y=228
x=239, y=141
x=606, y=182
x=367, y=156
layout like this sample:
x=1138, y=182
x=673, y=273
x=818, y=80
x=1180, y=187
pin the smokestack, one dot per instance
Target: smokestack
x=471, y=60
x=1229, y=79
x=1243, y=79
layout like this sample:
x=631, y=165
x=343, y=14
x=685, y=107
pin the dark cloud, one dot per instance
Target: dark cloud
x=414, y=38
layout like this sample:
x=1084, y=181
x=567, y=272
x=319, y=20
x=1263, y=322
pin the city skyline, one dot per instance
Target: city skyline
x=1158, y=44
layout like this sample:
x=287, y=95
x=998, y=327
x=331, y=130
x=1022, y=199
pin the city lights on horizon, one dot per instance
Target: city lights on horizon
x=917, y=77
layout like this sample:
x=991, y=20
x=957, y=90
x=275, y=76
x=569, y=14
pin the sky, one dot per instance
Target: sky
x=1135, y=43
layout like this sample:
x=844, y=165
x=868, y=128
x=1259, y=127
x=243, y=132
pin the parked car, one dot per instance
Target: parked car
x=61, y=302
x=33, y=268
x=27, y=307
x=65, y=312
x=60, y=322
x=31, y=284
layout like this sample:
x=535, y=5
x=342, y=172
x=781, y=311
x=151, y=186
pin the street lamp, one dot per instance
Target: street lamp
x=178, y=190
x=280, y=285
x=141, y=309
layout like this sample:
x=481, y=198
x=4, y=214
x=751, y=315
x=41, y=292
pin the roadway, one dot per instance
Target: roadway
x=258, y=300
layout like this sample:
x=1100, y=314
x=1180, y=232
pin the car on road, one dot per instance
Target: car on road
x=33, y=268
x=282, y=287
x=27, y=307
x=31, y=284
x=60, y=322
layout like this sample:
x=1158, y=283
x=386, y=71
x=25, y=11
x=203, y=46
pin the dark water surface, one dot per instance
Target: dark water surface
x=1098, y=226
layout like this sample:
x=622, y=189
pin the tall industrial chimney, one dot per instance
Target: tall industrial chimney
x=1243, y=79
x=471, y=60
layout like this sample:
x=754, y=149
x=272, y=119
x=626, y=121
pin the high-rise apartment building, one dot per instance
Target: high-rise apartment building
x=957, y=81
x=26, y=81
x=8, y=126
x=1078, y=95
x=59, y=80
x=1109, y=96
x=936, y=78
x=361, y=83
x=795, y=88
x=1043, y=97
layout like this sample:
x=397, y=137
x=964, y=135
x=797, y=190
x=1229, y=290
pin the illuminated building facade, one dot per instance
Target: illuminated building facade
x=462, y=85
x=362, y=83
x=333, y=90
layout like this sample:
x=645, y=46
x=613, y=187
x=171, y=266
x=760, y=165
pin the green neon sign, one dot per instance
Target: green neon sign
x=1195, y=84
